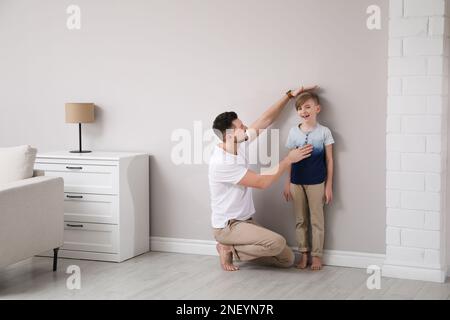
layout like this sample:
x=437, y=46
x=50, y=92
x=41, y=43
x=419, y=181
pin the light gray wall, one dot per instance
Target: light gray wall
x=154, y=66
x=447, y=203
x=447, y=182
x=447, y=150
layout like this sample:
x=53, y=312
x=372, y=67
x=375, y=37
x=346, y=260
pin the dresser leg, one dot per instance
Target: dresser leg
x=55, y=258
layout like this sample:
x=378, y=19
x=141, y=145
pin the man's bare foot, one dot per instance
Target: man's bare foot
x=316, y=263
x=303, y=261
x=226, y=257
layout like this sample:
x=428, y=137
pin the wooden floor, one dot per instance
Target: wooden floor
x=178, y=276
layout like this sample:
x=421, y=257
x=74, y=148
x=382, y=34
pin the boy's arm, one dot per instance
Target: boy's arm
x=330, y=168
x=288, y=179
x=287, y=185
x=269, y=116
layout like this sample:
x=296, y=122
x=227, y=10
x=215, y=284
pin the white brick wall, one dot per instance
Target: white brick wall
x=430, y=201
x=433, y=182
x=399, y=105
x=394, y=124
x=406, y=255
x=409, y=27
x=427, y=85
x=393, y=236
x=432, y=257
x=402, y=218
x=422, y=46
x=396, y=8
x=437, y=26
x=432, y=221
x=403, y=143
x=395, y=86
x=420, y=239
x=421, y=124
x=436, y=65
x=393, y=161
x=420, y=8
x=399, y=66
x=395, y=48
x=434, y=144
x=393, y=198
x=416, y=133
x=436, y=104
x=424, y=162
x=405, y=181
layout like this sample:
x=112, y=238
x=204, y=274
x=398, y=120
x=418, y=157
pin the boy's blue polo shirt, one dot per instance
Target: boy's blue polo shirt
x=311, y=170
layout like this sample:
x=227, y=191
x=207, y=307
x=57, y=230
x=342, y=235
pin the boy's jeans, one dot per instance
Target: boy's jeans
x=308, y=205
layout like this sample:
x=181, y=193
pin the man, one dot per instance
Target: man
x=231, y=183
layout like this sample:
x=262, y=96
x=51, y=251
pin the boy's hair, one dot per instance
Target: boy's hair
x=305, y=96
x=223, y=122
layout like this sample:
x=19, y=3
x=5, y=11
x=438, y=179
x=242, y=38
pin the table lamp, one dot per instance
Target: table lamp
x=79, y=113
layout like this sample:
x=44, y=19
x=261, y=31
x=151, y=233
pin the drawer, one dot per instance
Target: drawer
x=83, y=178
x=80, y=236
x=93, y=208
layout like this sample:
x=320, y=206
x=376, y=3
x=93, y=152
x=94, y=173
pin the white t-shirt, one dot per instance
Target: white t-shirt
x=229, y=200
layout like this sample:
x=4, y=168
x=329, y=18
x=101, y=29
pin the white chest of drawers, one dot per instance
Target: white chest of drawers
x=106, y=203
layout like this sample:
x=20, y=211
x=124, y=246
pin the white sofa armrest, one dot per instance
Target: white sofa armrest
x=31, y=217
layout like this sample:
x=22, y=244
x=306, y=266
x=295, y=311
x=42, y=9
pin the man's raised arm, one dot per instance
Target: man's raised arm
x=271, y=114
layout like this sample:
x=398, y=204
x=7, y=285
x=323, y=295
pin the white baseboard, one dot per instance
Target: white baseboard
x=189, y=246
x=204, y=247
x=414, y=273
x=352, y=259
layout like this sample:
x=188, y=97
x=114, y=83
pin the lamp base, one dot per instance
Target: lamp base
x=78, y=151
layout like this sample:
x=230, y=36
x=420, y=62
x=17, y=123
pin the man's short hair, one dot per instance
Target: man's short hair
x=305, y=96
x=223, y=122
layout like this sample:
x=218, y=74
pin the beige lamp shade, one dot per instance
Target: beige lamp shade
x=79, y=112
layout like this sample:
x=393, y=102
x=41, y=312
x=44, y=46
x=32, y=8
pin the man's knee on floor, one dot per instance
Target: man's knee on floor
x=278, y=244
x=288, y=261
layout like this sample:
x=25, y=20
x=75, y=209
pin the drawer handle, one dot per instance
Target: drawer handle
x=74, y=168
x=74, y=225
x=74, y=197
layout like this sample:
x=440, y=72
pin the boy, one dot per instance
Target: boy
x=310, y=182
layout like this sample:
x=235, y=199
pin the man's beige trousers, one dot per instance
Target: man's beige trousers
x=252, y=242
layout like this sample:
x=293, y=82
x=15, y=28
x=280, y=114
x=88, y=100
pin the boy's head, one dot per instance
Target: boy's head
x=308, y=106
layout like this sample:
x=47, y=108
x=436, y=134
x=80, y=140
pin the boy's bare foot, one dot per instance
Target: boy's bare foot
x=316, y=263
x=303, y=261
x=226, y=257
